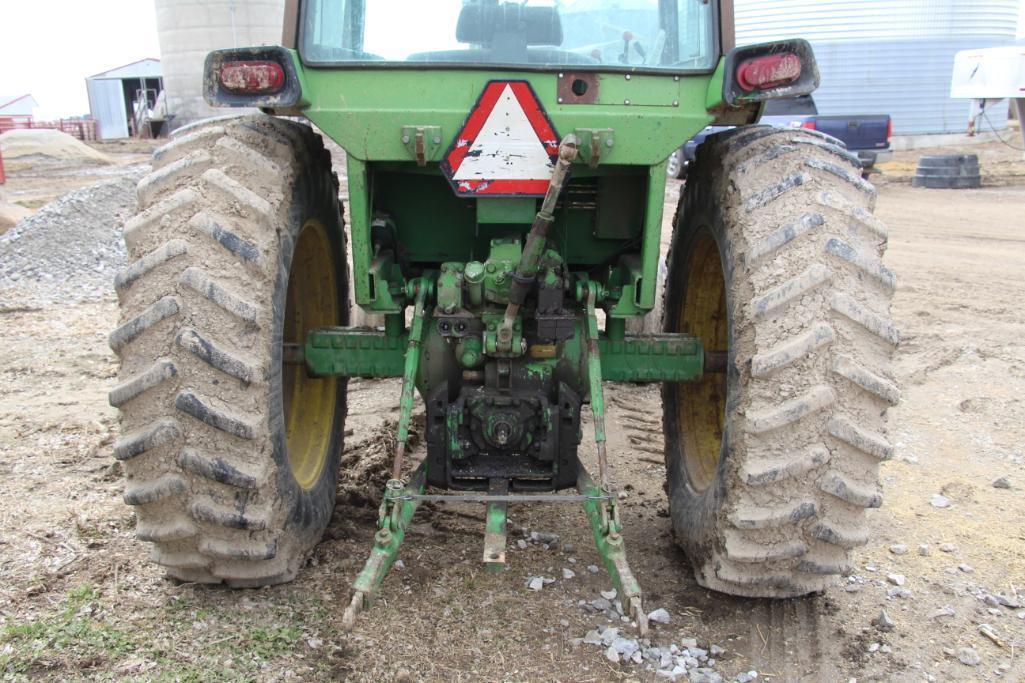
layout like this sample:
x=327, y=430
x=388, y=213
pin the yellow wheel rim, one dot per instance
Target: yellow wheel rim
x=309, y=403
x=701, y=405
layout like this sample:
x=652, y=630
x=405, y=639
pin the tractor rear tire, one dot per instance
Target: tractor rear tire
x=776, y=262
x=231, y=456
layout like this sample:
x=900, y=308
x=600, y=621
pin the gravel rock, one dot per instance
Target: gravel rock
x=544, y=537
x=923, y=550
x=689, y=643
x=568, y=547
x=535, y=583
x=609, y=595
x=966, y=568
x=940, y=501
x=568, y=573
x=69, y=250
x=899, y=549
x=746, y=677
x=945, y=611
x=969, y=656
x=659, y=616
x=1009, y=602
x=874, y=647
x=883, y=621
x=521, y=544
x=601, y=604
x=948, y=548
x=593, y=568
x=592, y=638
x=898, y=592
x=1002, y=483
x=896, y=579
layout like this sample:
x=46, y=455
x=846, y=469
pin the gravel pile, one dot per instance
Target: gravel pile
x=69, y=250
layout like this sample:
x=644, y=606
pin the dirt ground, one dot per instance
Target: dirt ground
x=78, y=599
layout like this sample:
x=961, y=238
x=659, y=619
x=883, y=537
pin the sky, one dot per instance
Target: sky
x=81, y=39
x=48, y=47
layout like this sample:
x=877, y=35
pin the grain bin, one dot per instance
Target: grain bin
x=886, y=56
x=189, y=29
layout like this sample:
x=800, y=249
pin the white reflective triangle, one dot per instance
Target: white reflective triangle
x=507, y=148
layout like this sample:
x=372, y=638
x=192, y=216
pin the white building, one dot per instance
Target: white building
x=18, y=106
x=117, y=95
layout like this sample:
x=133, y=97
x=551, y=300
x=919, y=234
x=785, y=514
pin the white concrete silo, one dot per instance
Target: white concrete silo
x=189, y=29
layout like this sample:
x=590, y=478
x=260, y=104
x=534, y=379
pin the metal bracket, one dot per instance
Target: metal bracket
x=595, y=143
x=423, y=142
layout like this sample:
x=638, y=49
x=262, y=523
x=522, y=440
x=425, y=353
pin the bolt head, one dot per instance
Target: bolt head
x=609, y=143
x=626, y=102
x=628, y=77
x=560, y=100
x=437, y=141
x=405, y=139
x=676, y=103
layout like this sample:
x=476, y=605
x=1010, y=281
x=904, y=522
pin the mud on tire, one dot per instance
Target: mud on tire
x=776, y=259
x=203, y=395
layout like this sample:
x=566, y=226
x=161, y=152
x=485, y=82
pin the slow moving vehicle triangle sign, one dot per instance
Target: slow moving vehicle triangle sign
x=507, y=147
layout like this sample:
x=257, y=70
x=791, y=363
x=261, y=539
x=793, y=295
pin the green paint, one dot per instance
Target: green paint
x=495, y=530
x=503, y=258
x=355, y=352
x=540, y=369
x=450, y=287
x=492, y=324
x=375, y=115
x=506, y=210
x=359, y=228
x=412, y=364
x=394, y=517
x=453, y=421
x=652, y=358
x=606, y=529
x=470, y=352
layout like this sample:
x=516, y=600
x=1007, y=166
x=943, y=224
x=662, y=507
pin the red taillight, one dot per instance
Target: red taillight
x=889, y=130
x=762, y=73
x=252, y=78
x=810, y=125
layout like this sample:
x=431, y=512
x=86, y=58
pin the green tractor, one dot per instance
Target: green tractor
x=506, y=166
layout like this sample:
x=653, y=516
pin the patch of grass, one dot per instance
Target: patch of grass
x=72, y=634
x=271, y=643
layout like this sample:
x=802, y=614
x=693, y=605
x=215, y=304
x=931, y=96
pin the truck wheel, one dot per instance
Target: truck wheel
x=775, y=262
x=231, y=456
x=676, y=166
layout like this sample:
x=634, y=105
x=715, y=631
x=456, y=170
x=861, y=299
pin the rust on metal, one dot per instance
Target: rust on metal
x=576, y=87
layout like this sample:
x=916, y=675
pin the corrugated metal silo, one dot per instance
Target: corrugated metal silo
x=189, y=29
x=886, y=56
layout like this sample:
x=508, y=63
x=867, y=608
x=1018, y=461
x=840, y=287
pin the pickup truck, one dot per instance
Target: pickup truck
x=867, y=136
